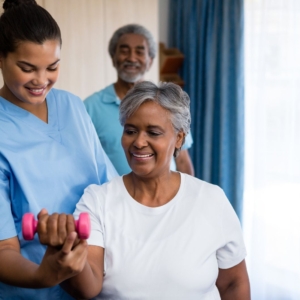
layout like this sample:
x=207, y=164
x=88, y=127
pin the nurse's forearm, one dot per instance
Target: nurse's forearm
x=17, y=270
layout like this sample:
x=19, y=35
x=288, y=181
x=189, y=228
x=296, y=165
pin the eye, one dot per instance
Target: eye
x=27, y=70
x=140, y=52
x=52, y=69
x=124, y=51
x=129, y=131
x=154, y=133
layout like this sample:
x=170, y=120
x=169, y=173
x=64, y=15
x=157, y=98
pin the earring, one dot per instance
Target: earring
x=176, y=152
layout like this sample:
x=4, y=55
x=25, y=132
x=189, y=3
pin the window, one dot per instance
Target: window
x=272, y=148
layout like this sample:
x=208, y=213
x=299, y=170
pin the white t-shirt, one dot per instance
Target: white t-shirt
x=167, y=252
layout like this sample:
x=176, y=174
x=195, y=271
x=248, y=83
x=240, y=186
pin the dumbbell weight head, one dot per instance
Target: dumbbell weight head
x=82, y=226
x=29, y=226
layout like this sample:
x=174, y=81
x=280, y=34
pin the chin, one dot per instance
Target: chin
x=131, y=78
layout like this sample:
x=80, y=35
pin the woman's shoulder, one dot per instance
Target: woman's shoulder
x=196, y=183
x=203, y=190
x=111, y=187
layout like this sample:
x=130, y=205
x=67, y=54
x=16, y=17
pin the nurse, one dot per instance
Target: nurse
x=49, y=151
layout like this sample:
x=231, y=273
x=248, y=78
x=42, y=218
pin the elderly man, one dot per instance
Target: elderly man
x=132, y=50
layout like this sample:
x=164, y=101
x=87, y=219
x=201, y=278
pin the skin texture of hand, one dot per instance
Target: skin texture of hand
x=57, y=264
x=88, y=283
x=61, y=264
x=233, y=283
x=54, y=229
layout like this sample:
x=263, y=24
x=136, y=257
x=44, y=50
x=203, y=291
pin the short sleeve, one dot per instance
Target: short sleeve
x=106, y=170
x=7, y=225
x=233, y=250
x=188, y=142
x=91, y=202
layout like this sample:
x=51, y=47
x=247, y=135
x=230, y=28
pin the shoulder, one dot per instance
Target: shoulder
x=96, y=197
x=209, y=196
x=65, y=99
x=205, y=188
x=63, y=95
x=101, y=191
x=101, y=96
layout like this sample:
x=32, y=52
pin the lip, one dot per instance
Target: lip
x=131, y=69
x=36, y=91
x=142, y=156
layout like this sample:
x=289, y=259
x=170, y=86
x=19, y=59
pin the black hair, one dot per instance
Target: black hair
x=25, y=20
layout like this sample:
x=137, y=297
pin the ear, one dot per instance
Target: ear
x=113, y=60
x=179, y=140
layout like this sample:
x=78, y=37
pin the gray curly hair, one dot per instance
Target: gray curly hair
x=135, y=29
x=168, y=95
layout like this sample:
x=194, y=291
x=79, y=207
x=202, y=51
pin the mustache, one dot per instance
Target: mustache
x=130, y=64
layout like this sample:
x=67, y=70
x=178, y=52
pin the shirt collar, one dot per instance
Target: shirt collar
x=111, y=96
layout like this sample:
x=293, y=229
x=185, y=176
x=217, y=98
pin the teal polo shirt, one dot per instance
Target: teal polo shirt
x=103, y=108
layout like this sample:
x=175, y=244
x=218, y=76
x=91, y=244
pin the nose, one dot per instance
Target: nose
x=140, y=141
x=131, y=56
x=40, y=78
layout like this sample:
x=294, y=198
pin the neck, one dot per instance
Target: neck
x=122, y=87
x=39, y=110
x=152, y=192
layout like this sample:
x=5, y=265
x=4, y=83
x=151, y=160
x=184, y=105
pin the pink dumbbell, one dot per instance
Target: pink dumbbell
x=82, y=226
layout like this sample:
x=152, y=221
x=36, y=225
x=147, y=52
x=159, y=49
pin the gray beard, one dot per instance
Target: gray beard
x=131, y=78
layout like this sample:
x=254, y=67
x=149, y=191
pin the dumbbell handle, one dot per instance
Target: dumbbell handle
x=82, y=226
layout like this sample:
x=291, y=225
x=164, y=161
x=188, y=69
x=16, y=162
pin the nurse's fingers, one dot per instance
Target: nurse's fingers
x=69, y=243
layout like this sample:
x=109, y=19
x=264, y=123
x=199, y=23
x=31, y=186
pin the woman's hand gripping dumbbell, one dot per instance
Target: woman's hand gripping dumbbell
x=30, y=224
x=66, y=251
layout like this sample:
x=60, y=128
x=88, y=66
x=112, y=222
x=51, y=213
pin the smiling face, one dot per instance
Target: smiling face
x=30, y=72
x=149, y=140
x=132, y=59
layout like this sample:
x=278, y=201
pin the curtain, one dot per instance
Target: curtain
x=210, y=35
x=272, y=148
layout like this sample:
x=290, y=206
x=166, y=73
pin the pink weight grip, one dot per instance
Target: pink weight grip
x=82, y=226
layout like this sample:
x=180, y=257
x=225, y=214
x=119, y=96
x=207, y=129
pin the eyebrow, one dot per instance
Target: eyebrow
x=127, y=46
x=148, y=127
x=33, y=66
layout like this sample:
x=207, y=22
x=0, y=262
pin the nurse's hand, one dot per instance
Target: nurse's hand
x=54, y=229
x=61, y=264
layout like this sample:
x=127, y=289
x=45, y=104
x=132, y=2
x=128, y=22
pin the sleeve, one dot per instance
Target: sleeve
x=7, y=225
x=106, y=170
x=188, y=142
x=91, y=202
x=233, y=250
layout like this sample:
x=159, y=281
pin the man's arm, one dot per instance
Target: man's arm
x=233, y=283
x=184, y=163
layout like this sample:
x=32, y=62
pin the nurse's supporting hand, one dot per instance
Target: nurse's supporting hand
x=61, y=264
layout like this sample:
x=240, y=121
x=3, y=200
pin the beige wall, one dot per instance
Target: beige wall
x=86, y=27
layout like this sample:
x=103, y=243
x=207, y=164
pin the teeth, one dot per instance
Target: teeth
x=37, y=91
x=142, y=156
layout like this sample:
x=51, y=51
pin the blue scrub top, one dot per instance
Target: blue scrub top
x=103, y=108
x=45, y=166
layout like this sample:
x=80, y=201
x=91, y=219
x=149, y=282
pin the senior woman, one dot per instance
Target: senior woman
x=158, y=234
